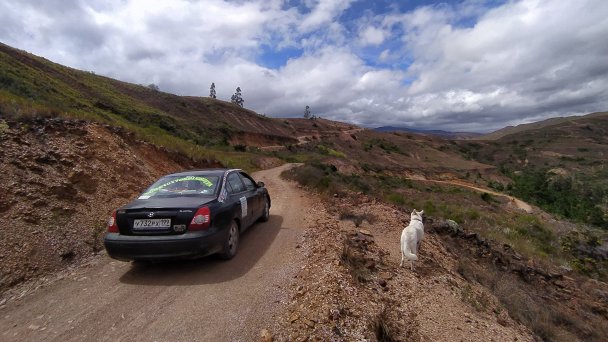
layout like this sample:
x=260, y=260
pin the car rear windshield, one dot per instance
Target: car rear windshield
x=174, y=186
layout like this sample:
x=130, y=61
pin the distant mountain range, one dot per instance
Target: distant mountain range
x=540, y=124
x=434, y=132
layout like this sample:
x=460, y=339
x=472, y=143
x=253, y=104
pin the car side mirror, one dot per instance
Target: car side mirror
x=261, y=184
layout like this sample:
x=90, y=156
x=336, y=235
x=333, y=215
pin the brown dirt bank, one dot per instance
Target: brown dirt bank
x=60, y=181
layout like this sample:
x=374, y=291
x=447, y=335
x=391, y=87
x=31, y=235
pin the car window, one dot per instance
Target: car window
x=249, y=185
x=236, y=185
x=175, y=186
x=229, y=188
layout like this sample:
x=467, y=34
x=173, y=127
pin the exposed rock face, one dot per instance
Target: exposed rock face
x=61, y=179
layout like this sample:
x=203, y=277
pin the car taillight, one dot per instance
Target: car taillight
x=112, y=227
x=201, y=219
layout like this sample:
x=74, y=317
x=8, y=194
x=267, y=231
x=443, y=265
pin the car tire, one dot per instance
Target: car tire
x=231, y=244
x=266, y=211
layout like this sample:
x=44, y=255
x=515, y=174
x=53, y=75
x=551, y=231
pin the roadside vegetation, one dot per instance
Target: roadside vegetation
x=529, y=304
x=562, y=168
x=571, y=246
x=584, y=199
x=549, y=245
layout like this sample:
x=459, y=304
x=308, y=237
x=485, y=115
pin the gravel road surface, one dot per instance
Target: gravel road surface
x=199, y=300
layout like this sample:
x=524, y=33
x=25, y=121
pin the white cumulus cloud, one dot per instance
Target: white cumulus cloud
x=372, y=36
x=468, y=66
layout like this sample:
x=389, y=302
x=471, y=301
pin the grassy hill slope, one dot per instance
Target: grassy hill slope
x=34, y=86
x=201, y=127
x=535, y=125
x=560, y=166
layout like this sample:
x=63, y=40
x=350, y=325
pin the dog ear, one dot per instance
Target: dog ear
x=421, y=212
x=414, y=212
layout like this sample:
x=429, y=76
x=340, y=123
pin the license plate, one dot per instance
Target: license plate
x=151, y=223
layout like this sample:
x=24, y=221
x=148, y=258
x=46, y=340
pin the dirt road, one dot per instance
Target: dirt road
x=203, y=300
x=517, y=202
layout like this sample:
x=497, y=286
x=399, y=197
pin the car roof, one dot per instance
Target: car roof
x=206, y=172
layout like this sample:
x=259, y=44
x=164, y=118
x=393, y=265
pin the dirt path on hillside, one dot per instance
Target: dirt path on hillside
x=305, y=139
x=202, y=300
x=302, y=140
x=517, y=202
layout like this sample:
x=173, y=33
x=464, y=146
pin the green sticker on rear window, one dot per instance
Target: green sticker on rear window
x=199, y=179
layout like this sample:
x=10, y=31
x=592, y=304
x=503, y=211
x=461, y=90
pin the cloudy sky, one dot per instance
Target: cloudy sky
x=455, y=65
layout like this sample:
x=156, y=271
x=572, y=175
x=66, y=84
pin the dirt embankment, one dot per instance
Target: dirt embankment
x=60, y=181
x=464, y=287
x=352, y=287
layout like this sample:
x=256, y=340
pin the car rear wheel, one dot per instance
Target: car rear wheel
x=266, y=213
x=232, y=241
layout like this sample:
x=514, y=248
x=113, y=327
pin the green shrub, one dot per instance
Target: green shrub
x=584, y=248
x=240, y=148
x=487, y=197
x=561, y=195
x=392, y=183
x=530, y=228
x=318, y=176
x=496, y=185
x=429, y=208
x=395, y=198
x=384, y=144
x=331, y=152
x=473, y=214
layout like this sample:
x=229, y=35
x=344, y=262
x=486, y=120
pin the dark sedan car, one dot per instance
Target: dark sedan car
x=188, y=214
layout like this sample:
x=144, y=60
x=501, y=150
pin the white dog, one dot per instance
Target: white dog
x=411, y=237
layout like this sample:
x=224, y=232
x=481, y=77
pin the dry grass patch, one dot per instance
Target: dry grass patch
x=532, y=305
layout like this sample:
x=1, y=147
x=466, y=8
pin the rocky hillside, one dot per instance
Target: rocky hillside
x=61, y=180
x=579, y=144
x=559, y=164
x=34, y=86
x=465, y=286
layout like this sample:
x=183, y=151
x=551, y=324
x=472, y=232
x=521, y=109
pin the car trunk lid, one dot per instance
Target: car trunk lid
x=155, y=217
x=152, y=221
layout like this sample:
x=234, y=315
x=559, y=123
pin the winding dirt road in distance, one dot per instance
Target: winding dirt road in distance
x=518, y=203
x=199, y=300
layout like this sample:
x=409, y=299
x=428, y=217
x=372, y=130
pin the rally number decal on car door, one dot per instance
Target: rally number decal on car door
x=243, y=206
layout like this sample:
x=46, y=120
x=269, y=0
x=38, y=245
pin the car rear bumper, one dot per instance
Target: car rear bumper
x=163, y=247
